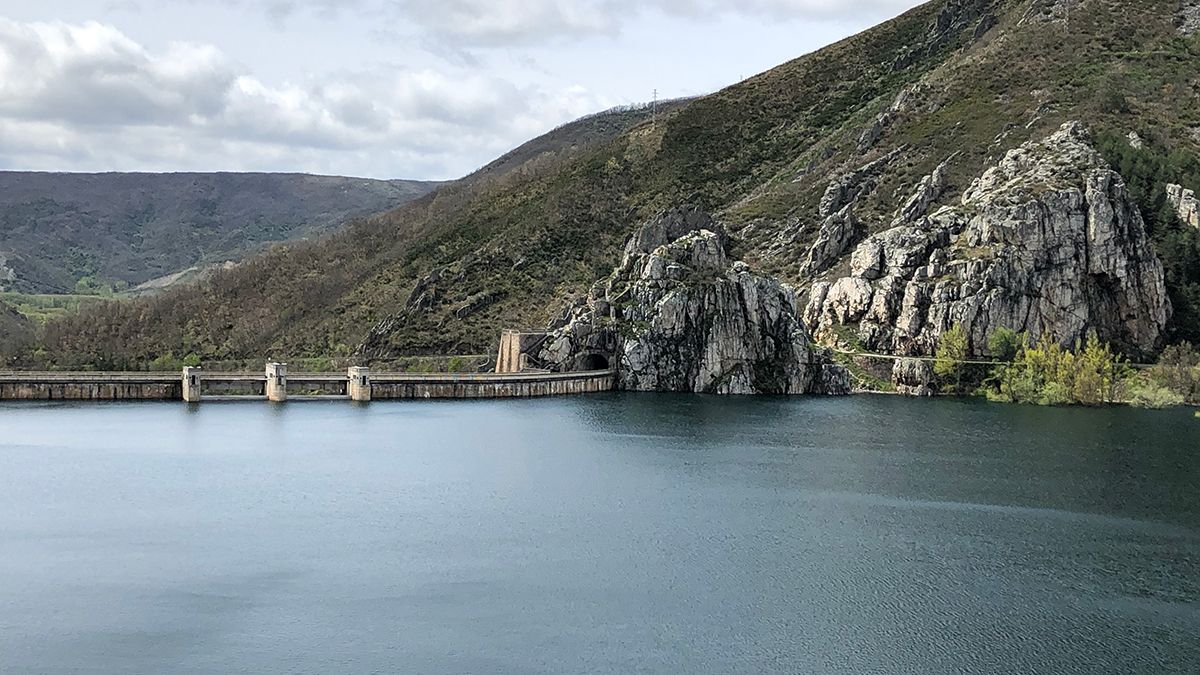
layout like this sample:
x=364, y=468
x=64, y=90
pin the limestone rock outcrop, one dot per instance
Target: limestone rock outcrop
x=911, y=99
x=835, y=235
x=1188, y=18
x=926, y=193
x=1186, y=206
x=677, y=315
x=1053, y=11
x=846, y=188
x=1048, y=241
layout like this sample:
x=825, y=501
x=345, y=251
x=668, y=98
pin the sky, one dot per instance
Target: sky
x=422, y=89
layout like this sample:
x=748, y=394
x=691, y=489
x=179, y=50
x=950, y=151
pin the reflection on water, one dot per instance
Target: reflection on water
x=615, y=533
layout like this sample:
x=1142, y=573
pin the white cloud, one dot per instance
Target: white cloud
x=92, y=74
x=510, y=23
x=88, y=97
x=390, y=88
x=506, y=23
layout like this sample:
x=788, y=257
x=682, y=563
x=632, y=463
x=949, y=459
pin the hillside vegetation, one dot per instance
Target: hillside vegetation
x=954, y=81
x=61, y=233
x=15, y=330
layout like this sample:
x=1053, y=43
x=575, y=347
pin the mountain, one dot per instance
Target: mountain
x=124, y=229
x=803, y=165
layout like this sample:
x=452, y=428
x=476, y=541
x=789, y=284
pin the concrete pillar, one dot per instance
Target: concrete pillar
x=191, y=384
x=510, y=351
x=276, y=381
x=359, y=386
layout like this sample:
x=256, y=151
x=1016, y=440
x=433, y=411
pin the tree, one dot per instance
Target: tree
x=1046, y=373
x=1177, y=372
x=952, y=350
x=1005, y=343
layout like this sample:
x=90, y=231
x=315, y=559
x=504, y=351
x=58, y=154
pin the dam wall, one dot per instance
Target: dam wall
x=91, y=387
x=276, y=384
x=516, y=385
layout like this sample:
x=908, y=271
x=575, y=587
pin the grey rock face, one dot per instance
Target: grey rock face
x=908, y=100
x=1053, y=11
x=1188, y=18
x=847, y=188
x=838, y=227
x=1047, y=241
x=6, y=273
x=837, y=232
x=913, y=377
x=926, y=193
x=872, y=134
x=676, y=315
x=955, y=16
x=1185, y=204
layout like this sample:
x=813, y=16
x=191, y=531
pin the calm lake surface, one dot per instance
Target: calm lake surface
x=604, y=534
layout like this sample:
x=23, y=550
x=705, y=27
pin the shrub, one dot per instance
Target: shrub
x=166, y=362
x=1145, y=393
x=1178, y=371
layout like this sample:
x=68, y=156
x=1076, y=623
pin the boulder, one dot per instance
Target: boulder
x=913, y=377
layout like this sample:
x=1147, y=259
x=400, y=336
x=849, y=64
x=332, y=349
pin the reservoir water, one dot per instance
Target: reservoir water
x=602, y=534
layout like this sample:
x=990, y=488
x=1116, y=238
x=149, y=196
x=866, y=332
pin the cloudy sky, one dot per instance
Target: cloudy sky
x=382, y=88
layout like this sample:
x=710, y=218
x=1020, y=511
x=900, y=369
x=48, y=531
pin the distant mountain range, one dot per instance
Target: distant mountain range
x=63, y=231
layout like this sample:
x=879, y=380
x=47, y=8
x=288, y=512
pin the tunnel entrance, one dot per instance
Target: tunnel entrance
x=595, y=362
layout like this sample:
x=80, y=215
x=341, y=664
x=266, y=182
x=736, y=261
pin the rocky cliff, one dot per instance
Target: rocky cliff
x=677, y=315
x=1047, y=241
x=1186, y=206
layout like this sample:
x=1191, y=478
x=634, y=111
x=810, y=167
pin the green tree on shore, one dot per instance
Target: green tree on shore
x=1046, y=373
x=952, y=350
x=1005, y=343
x=1174, y=380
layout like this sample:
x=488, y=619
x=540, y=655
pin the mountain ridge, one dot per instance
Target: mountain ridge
x=124, y=228
x=952, y=84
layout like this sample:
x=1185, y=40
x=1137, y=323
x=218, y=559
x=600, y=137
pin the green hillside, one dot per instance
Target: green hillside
x=510, y=244
x=63, y=232
x=15, y=333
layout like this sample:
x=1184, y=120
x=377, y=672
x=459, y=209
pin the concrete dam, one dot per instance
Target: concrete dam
x=513, y=378
x=276, y=384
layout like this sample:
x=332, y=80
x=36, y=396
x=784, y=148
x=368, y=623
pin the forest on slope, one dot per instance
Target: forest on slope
x=76, y=232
